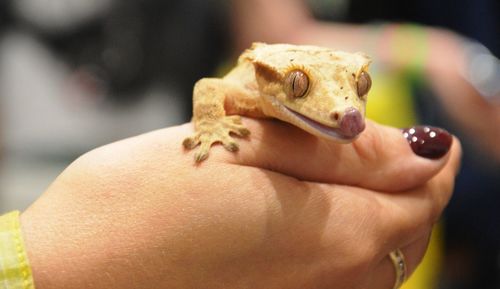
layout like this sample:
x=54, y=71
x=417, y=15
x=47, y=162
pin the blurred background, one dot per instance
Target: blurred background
x=77, y=74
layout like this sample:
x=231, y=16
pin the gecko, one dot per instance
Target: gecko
x=320, y=90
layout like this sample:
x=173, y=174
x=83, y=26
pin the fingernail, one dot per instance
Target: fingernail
x=428, y=141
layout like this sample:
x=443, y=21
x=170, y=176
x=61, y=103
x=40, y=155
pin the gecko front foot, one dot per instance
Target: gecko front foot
x=209, y=132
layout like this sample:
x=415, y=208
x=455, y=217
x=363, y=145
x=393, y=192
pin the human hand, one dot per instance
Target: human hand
x=287, y=211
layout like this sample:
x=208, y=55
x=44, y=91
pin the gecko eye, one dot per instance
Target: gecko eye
x=296, y=84
x=364, y=84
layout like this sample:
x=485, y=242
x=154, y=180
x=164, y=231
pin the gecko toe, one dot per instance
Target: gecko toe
x=203, y=151
x=190, y=143
x=231, y=146
x=236, y=119
x=240, y=131
x=200, y=156
x=243, y=132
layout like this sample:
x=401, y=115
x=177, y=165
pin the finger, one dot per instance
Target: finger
x=388, y=221
x=384, y=275
x=356, y=228
x=396, y=218
x=405, y=216
x=380, y=159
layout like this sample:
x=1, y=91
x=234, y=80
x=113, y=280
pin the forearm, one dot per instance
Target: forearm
x=257, y=20
x=476, y=117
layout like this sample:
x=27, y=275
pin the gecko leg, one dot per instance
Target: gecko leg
x=211, y=123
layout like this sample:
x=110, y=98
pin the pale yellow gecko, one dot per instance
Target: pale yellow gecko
x=319, y=90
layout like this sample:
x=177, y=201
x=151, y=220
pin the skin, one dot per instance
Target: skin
x=286, y=211
x=263, y=85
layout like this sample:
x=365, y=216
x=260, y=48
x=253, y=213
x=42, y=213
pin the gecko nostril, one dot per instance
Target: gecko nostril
x=334, y=116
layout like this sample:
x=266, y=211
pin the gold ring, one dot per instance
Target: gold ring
x=398, y=259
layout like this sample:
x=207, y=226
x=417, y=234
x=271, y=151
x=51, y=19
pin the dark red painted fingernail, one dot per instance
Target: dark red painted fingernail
x=428, y=141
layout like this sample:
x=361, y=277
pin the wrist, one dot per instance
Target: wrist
x=34, y=245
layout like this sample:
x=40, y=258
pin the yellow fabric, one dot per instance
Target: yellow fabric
x=15, y=271
x=390, y=102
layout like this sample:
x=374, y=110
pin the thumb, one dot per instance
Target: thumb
x=382, y=158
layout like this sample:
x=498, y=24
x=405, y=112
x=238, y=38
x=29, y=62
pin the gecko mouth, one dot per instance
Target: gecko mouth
x=318, y=128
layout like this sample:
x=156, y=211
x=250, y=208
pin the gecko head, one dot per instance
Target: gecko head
x=320, y=90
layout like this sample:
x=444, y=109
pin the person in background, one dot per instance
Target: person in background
x=77, y=74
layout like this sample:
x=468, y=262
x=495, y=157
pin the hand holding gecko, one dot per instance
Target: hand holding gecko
x=288, y=210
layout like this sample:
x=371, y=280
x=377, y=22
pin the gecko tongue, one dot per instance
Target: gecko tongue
x=341, y=133
x=352, y=122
